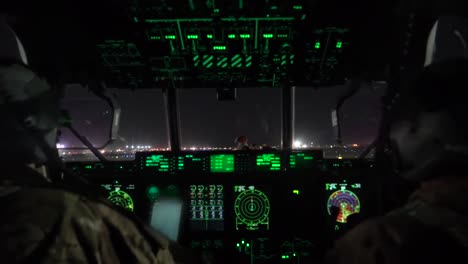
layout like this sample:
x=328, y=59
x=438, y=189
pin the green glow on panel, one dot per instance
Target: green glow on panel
x=232, y=36
x=170, y=37
x=219, y=47
x=297, y=7
x=192, y=36
x=244, y=36
x=158, y=161
x=222, y=163
x=210, y=36
x=153, y=193
x=339, y=44
x=252, y=209
x=301, y=161
x=88, y=167
x=282, y=35
x=267, y=36
x=317, y=45
x=268, y=162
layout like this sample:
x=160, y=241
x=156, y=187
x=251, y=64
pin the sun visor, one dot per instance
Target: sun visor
x=447, y=40
x=11, y=48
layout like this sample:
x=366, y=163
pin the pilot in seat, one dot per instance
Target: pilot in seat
x=242, y=143
x=430, y=147
x=42, y=221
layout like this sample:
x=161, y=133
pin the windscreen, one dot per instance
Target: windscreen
x=143, y=123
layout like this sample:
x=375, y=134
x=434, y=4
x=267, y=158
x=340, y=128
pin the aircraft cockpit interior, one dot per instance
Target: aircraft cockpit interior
x=247, y=131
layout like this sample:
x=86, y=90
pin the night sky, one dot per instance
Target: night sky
x=208, y=122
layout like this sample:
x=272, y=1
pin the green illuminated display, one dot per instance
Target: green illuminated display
x=88, y=167
x=207, y=207
x=155, y=37
x=232, y=36
x=252, y=208
x=160, y=162
x=339, y=44
x=122, y=199
x=219, y=48
x=244, y=36
x=297, y=7
x=283, y=35
x=267, y=36
x=170, y=37
x=192, y=36
x=317, y=45
x=222, y=163
x=301, y=161
x=190, y=163
x=209, y=36
x=119, y=196
x=268, y=162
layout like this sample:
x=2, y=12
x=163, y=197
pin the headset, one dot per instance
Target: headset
x=428, y=130
x=29, y=107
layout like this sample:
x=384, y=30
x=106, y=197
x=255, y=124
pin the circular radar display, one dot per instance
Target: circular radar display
x=122, y=199
x=252, y=208
x=346, y=202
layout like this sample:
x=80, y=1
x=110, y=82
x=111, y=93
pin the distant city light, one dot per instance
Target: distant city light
x=297, y=144
x=355, y=145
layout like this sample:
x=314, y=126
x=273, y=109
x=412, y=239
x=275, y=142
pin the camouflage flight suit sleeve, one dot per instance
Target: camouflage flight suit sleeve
x=371, y=242
x=54, y=226
x=396, y=239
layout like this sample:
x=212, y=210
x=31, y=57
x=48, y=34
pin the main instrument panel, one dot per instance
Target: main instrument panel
x=253, y=206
